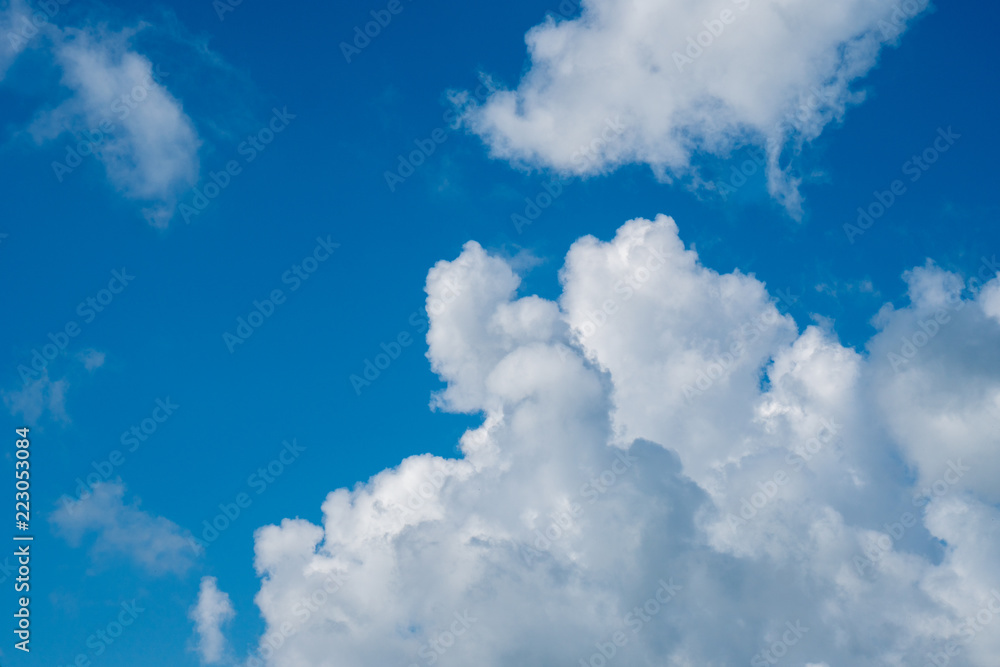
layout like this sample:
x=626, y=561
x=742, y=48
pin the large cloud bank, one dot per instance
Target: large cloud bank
x=656, y=82
x=668, y=473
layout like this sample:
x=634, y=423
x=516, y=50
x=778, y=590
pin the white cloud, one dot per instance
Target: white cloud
x=91, y=359
x=685, y=78
x=119, y=107
x=36, y=397
x=941, y=396
x=43, y=395
x=121, y=110
x=155, y=543
x=662, y=426
x=212, y=611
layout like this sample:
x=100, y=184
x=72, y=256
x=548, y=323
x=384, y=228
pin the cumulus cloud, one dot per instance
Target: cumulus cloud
x=675, y=79
x=155, y=543
x=668, y=472
x=212, y=611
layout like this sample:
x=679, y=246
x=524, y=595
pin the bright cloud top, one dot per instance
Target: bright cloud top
x=685, y=77
x=668, y=472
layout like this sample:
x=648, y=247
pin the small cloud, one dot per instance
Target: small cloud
x=91, y=359
x=155, y=543
x=212, y=611
x=839, y=287
x=35, y=397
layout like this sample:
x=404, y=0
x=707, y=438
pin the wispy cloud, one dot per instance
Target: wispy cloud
x=155, y=543
x=212, y=611
x=36, y=397
x=121, y=111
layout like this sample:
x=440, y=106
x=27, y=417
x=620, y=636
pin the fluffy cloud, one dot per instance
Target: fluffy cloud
x=155, y=543
x=657, y=82
x=668, y=472
x=212, y=611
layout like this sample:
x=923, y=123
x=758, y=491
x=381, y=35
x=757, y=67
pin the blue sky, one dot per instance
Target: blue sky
x=321, y=183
